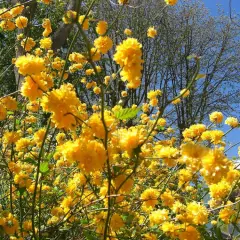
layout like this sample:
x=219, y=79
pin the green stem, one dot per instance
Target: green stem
x=37, y=179
x=21, y=214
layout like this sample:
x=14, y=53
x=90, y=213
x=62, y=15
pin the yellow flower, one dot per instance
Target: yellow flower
x=165, y=151
x=67, y=203
x=116, y=222
x=16, y=10
x=29, y=65
x=46, y=43
x=96, y=125
x=90, y=155
x=220, y=190
x=69, y=17
x=216, y=117
x=190, y=233
x=77, y=57
x=39, y=135
x=95, y=54
x=47, y=27
x=129, y=56
x=89, y=72
x=226, y=213
x=101, y=27
x=10, y=224
x=232, y=122
x=150, y=236
x=185, y=93
x=158, y=217
x=33, y=106
x=169, y=228
x=176, y=101
x=33, y=87
x=126, y=184
x=22, y=144
x=7, y=25
x=196, y=213
x=232, y=175
x=97, y=90
x=184, y=176
x=27, y=225
x=122, y=2
x=84, y=22
x=60, y=138
x=130, y=139
x=167, y=198
x=9, y=102
x=46, y=1
x=103, y=44
x=22, y=179
x=128, y=32
x=21, y=22
x=11, y=137
x=150, y=197
x=152, y=32
x=67, y=109
x=153, y=94
x=215, y=166
x=145, y=107
x=194, y=131
x=171, y=2
x=27, y=44
x=124, y=94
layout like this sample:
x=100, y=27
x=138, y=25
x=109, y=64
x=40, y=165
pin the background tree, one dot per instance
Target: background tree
x=188, y=29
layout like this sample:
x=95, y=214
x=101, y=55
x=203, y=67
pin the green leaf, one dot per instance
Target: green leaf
x=190, y=57
x=21, y=191
x=137, y=150
x=218, y=232
x=129, y=219
x=2, y=166
x=89, y=235
x=127, y=113
x=160, y=128
x=116, y=169
x=200, y=75
x=50, y=156
x=44, y=167
x=30, y=160
x=84, y=221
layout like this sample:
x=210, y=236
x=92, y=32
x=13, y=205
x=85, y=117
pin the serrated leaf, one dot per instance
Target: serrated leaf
x=50, y=155
x=44, y=167
x=199, y=76
x=160, y=128
x=127, y=113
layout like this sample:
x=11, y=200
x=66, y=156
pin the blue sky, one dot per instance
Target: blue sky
x=224, y=4
x=212, y=5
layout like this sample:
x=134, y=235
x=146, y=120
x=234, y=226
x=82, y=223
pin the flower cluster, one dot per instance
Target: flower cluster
x=78, y=164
